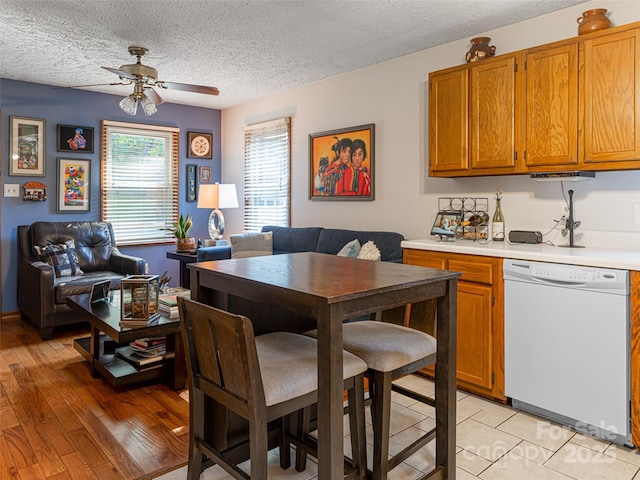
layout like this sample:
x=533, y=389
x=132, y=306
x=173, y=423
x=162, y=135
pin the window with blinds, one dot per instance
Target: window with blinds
x=267, y=159
x=139, y=181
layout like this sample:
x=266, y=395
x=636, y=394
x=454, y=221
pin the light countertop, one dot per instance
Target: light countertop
x=626, y=259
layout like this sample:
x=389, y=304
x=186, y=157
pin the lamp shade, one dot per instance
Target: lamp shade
x=218, y=196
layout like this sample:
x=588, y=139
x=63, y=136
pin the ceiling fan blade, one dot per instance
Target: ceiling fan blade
x=121, y=73
x=97, y=85
x=185, y=87
x=153, y=96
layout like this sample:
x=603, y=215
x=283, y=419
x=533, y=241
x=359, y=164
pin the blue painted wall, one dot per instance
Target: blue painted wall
x=78, y=107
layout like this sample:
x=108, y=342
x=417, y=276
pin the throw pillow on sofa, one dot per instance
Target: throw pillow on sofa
x=370, y=251
x=62, y=257
x=351, y=249
x=251, y=245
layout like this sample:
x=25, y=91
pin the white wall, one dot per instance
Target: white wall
x=392, y=95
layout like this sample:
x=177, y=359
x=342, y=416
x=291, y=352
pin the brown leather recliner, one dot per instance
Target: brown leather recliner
x=41, y=296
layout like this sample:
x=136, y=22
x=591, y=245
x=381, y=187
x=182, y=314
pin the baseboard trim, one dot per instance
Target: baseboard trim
x=11, y=316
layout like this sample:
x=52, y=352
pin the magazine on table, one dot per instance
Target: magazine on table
x=133, y=357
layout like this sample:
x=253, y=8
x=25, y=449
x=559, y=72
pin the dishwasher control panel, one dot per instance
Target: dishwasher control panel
x=573, y=273
x=569, y=275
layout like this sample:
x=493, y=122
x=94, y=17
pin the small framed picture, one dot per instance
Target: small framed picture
x=199, y=145
x=73, y=138
x=446, y=223
x=74, y=185
x=26, y=147
x=205, y=174
x=34, y=192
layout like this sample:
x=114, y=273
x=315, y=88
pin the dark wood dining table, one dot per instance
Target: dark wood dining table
x=327, y=290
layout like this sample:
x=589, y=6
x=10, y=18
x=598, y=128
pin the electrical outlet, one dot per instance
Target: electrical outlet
x=636, y=213
x=565, y=211
x=11, y=190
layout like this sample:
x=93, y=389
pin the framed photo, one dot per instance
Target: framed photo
x=199, y=145
x=446, y=223
x=205, y=174
x=342, y=164
x=192, y=191
x=26, y=147
x=73, y=138
x=74, y=185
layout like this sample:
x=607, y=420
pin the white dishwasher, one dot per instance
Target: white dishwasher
x=567, y=345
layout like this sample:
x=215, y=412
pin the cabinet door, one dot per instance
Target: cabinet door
x=552, y=106
x=480, y=342
x=612, y=97
x=448, y=124
x=475, y=335
x=494, y=118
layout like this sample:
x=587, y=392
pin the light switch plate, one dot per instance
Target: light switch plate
x=11, y=190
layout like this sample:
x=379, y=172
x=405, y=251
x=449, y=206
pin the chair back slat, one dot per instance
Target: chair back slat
x=221, y=353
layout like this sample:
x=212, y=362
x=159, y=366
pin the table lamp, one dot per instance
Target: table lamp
x=217, y=196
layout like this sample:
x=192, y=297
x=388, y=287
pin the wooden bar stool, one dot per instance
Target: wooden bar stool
x=261, y=379
x=390, y=351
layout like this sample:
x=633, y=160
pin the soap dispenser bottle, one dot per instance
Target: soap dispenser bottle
x=497, y=223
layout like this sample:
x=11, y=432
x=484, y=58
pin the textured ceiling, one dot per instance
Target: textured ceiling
x=246, y=48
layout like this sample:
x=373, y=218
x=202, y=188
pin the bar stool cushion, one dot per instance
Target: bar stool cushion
x=384, y=346
x=289, y=365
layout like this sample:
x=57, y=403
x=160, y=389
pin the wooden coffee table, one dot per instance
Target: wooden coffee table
x=106, y=335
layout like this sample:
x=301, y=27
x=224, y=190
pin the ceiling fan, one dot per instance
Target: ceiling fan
x=144, y=78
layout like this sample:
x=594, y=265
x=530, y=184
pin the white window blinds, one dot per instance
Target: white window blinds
x=267, y=161
x=139, y=181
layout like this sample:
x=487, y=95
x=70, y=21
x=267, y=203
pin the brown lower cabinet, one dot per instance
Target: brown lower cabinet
x=480, y=361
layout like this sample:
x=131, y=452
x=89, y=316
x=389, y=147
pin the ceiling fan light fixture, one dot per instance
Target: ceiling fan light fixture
x=129, y=104
x=144, y=78
x=148, y=106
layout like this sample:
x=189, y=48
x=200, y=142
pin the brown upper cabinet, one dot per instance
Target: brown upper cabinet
x=552, y=107
x=448, y=120
x=610, y=99
x=568, y=105
x=495, y=114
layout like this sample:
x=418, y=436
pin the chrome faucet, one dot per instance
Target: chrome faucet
x=571, y=224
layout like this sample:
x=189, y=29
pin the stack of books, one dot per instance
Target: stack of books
x=145, y=352
x=168, y=303
x=147, y=343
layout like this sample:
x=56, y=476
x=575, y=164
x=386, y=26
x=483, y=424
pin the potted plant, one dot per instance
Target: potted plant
x=180, y=230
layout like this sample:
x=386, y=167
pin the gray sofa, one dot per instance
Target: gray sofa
x=43, y=288
x=318, y=239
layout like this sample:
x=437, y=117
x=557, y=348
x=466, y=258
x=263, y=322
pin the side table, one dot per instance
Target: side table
x=184, y=258
x=105, y=317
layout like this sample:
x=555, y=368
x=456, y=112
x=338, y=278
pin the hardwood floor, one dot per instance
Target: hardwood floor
x=57, y=422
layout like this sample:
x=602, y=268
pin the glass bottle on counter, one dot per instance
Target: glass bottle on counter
x=497, y=223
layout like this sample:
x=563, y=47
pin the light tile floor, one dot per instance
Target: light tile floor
x=495, y=442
